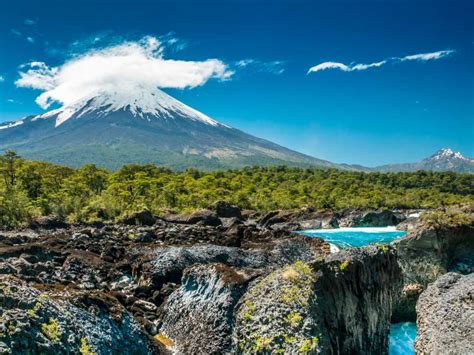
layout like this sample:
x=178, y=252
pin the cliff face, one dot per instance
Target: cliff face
x=446, y=316
x=357, y=299
x=427, y=253
x=341, y=304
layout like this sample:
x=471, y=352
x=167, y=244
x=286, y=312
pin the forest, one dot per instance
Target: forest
x=87, y=194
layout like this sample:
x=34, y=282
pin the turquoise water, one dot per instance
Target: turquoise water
x=402, y=339
x=355, y=237
x=402, y=335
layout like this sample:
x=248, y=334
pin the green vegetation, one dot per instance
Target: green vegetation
x=449, y=218
x=344, y=265
x=32, y=312
x=51, y=330
x=261, y=343
x=309, y=345
x=30, y=188
x=293, y=319
x=85, y=348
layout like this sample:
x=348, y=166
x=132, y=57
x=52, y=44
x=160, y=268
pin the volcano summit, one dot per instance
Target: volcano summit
x=110, y=129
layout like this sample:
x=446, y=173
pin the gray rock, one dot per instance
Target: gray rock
x=198, y=317
x=60, y=322
x=446, y=316
x=204, y=217
x=168, y=263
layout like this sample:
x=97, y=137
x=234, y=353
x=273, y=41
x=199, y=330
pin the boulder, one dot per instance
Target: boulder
x=144, y=218
x=204, y=217
x=446, y=316
x=226, y=210
x=198, y=316
x=48, y=222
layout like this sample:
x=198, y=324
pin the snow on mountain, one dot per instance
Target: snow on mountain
x=11, y=124
x=443, y=160
x=447, y=154
x=143, y=103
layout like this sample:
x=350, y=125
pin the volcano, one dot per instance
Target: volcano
x=110, y=129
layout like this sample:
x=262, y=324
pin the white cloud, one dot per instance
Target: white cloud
x=2, y=79
x=30, y=39
x=30, y=22
x=329, y=65
x=15, y=32
x=361, y=66
x=129, y=67
x=428, y=56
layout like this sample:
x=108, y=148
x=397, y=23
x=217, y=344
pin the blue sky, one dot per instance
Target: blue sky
x=399, y=111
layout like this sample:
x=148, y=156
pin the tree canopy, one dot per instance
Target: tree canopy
x=31, y=188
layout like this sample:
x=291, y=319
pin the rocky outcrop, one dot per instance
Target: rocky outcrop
x=305, y=218
x=167, y=264
x=385, y=218
x=226, y=210
x=446, y=316
x=308, y=218
x=144, y=218
x=425, y=255
x=338, y=305
x=193, y=274
x=47, y=222
x=204, y=217
x=55, y=321
x=198, y=318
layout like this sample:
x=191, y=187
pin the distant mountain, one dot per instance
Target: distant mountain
x=443, y=160
x=111, y=129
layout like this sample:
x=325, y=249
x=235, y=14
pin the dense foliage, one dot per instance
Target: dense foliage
x=30, y=188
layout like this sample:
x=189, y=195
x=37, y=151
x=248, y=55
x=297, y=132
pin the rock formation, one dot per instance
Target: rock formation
x=446, y=316
x=427, y=253
x=52, y=320
x=338, y=305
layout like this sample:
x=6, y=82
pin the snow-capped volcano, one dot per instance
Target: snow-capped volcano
x=444, y=159
x=448, y=154
x=154, y=104
x=111, y=128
